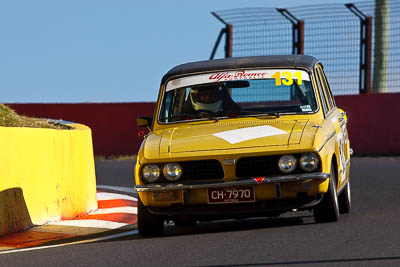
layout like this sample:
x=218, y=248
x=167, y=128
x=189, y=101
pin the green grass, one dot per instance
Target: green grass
x=9, y=118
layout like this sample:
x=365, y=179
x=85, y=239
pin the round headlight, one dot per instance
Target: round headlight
x=151, y=172
x=287, y=163
x=172, y=171
x=309, y=162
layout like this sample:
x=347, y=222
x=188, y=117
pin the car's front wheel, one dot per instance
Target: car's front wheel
x=328, y=209
x=149, y=224
x=345, y=199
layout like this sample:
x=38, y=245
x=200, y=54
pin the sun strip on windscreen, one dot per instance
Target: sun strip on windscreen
x=236, y=76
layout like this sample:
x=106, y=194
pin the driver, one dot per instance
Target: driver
x=208, y=98
x=211, y=98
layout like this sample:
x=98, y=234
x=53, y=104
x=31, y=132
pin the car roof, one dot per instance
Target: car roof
x=303, y=61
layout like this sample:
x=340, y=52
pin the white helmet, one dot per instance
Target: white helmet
x=207, y=98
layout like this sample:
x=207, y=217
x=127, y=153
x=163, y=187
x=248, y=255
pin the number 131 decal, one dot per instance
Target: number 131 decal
x=287, y=78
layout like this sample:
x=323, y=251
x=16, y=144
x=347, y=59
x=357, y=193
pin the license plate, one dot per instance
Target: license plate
x=237, y=194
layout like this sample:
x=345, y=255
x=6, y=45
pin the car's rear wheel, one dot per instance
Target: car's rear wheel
x=345, y=199
x=328, y=209
x=149, y=224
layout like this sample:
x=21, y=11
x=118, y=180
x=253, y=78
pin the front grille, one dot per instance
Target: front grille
x=257, y=166
x=201, y=170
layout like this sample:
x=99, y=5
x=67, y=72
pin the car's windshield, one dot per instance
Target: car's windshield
x=237, y=94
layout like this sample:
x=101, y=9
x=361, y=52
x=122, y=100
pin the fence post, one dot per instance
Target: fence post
x=221, y=33
x=297, y=31
x=365, y=48
x=228, y=31
x=381, y=46
x=228, y=40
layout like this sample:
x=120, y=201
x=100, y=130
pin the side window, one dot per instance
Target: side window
x=325, y=88
x=328, y=89
x=321, y=95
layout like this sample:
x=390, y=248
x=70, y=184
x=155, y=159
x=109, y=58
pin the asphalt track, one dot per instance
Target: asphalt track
x=368, y=236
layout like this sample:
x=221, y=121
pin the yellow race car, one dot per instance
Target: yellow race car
x=243, y=137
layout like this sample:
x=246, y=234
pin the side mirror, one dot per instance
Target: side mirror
x=144, y=121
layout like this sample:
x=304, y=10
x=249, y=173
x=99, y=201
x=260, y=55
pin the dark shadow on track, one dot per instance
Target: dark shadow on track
x=307, y=262
x=227, y=226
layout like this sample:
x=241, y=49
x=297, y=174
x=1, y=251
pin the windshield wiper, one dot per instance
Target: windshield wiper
x=187, y=117
x=258, y=113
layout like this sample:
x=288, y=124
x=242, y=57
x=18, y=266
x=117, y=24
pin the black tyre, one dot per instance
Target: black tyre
x=328, y=209
x=149, y=224
x=345, y=199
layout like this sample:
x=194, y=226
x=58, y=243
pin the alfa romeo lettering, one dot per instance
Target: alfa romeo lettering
x=240, y=75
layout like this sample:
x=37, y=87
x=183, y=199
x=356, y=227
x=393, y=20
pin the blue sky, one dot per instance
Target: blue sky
x=55, y=51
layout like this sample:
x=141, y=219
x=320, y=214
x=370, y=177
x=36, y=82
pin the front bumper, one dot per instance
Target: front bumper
x=250, y=181
x=239, y=210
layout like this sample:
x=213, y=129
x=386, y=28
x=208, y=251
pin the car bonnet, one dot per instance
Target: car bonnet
x=231, y=135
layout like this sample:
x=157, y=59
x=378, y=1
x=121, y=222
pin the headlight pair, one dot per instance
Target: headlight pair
x=308, y=162
x=152, y=172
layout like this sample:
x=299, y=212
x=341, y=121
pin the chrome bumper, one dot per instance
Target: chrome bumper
x=250, y=181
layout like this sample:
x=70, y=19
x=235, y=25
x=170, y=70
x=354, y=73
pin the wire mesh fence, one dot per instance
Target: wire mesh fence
x=332, y=33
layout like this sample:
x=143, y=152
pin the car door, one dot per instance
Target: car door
x=337, y=117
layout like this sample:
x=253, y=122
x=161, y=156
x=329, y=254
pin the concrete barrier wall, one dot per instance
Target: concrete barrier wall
x=45, y=175
x=372, y=128
x=113, y=124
